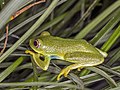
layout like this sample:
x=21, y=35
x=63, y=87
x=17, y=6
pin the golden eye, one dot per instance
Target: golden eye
x=36, y=44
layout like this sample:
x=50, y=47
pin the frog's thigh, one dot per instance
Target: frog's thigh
x=84, y=58
x=71, y=67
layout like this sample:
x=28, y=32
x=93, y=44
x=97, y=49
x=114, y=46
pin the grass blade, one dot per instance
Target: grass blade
x=112, y=39
x=11, y=68
x=30, y=31
x=12, y=7
x=97, y=20
x=109, y=26
x=105, y=75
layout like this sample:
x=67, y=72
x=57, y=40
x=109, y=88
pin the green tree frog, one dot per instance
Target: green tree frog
x=79, y=52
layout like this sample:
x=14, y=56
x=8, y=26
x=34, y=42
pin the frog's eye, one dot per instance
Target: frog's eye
x=36, y=43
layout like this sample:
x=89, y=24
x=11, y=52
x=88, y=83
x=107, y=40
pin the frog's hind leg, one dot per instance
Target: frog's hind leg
x=84, y=58
x=66, y=70
x=81, y=59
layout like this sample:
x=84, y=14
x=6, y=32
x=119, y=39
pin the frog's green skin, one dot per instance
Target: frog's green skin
x=79, y=52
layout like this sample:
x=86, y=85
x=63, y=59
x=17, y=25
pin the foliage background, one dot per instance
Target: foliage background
x=96, y=21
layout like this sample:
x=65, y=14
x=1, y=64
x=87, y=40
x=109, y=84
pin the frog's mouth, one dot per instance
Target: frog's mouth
x=33, y=51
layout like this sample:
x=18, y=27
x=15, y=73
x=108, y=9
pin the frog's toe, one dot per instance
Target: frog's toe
x=79, y=69
x=30, y=52
x=61, y=73
x=27, y=51
x=58, y=77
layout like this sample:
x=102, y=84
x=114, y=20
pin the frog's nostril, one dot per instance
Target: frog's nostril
x=36, y=44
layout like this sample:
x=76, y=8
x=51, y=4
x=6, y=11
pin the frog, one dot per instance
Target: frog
x=78, y=52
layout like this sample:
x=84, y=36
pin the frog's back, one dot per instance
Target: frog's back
x=62, y=46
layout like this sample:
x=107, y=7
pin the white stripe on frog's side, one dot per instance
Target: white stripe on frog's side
x=55, y=57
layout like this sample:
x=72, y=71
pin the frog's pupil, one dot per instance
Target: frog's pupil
x=35, y=42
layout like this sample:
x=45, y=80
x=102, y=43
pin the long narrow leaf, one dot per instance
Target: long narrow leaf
x=109, y=26
x=30, y=31
x=114, y=58
x=11, y=8
x=112, y=39
x=97, y=20
x=105, y=75
x=11, y=68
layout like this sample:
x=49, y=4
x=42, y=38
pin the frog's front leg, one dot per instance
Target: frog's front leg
x=37, y=58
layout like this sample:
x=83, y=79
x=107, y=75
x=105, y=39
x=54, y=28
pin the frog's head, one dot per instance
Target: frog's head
x=37, y=44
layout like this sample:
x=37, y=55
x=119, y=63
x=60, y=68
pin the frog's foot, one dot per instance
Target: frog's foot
x=30, y=52
x=64, y=72
x=41, y=60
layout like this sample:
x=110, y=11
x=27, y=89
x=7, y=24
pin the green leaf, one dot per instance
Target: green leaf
x=6, y=13
x=105, y=75
x=97, y=20
x=114, y=58
x=109, y=26
x=77, y=80
x=112, y=39
x=11, y=68
x=30, y=31
x=110, y=70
